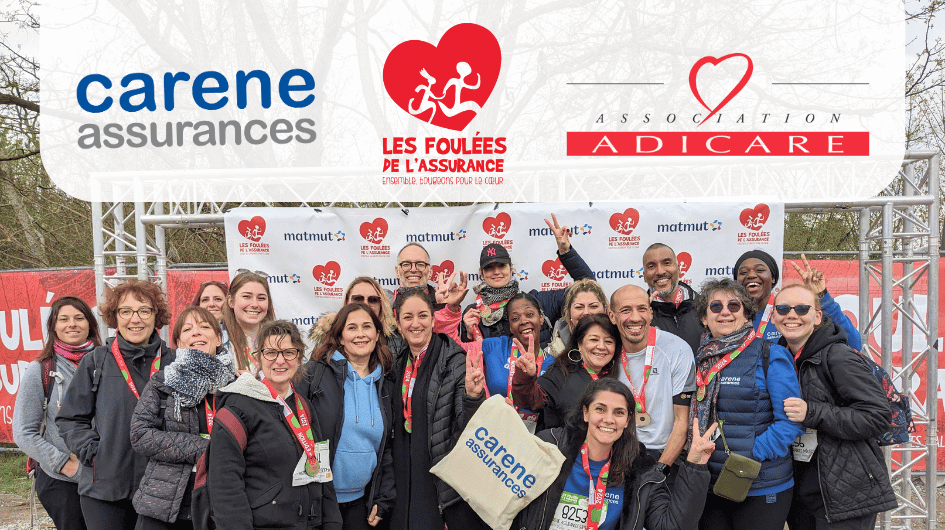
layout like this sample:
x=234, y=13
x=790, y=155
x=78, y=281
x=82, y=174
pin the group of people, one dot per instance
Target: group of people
x=242, y=426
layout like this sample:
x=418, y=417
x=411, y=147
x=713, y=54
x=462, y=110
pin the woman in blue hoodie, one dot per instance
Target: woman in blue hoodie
x=347, y=387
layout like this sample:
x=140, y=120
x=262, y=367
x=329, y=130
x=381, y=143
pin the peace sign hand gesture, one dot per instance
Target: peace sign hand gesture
x=813, y=278
x=449, y=293
x=526, y=361
x=702, y=445
x=475, y=379
x=561, y=233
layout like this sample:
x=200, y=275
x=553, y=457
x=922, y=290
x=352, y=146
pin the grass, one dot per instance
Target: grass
x=13, y=477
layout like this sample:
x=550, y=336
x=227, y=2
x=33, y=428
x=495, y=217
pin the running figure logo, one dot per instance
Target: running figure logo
x=448, y=84
x=754, y=218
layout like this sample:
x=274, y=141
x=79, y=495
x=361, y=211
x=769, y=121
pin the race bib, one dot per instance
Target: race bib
x=300, y=477
x=805, y=445
x=571, y=513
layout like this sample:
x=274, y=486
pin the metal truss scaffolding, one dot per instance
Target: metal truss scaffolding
x=899, y=243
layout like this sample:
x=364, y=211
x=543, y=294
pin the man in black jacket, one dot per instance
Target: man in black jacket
x=672, y=301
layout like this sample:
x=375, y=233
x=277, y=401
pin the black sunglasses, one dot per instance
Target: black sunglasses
x=359, y=298
x=800, y=309
x=734, y=306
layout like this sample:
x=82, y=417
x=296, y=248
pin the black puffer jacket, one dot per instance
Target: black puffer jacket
x=681, y=321
x=646, y=499
x=172, y=447
x=563, y=387
x=324, y=387
x=847, y=407
x=95, y=417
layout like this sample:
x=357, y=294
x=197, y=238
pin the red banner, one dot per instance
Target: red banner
x=718, y=144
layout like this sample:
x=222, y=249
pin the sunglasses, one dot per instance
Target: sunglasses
x=359, y=298
x=261, y=273
x=800, y=309
x=734, y=306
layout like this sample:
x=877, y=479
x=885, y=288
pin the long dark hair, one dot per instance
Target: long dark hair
x=567, y=364
x=627, y=447
x=54, y=310
x=381, y=354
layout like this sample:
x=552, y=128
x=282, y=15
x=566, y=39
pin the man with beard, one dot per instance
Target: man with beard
x=672, y=301
x=660, y=369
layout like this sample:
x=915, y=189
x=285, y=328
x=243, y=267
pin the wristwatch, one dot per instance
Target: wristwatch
x=663, y=468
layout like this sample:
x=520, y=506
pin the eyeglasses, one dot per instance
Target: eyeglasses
x=359, y=298
x=143, y=312
x=407, y=265
x=800, y=309
x=289, y=355
x=261, y=273
x=734, y=306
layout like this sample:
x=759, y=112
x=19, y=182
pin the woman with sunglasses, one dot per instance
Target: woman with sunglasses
x=248, y=305
x=96, y=412
x=843, y=409
x=173, y=421
x=72, y=332
x=267, y=467
x=757, y=271
x=742, y=382
x=346, y=384
x=486, y=317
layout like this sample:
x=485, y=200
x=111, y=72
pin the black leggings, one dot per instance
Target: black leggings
x=764, y=512
x=108, y=515
x=60, y=499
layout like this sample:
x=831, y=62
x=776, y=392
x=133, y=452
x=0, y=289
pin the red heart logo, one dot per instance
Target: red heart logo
x=497, y=226
x=374, y=232
x=755, y=218
x=253, y=229
x=715, y=62
x=443, y=270
x=447, y=84
x=328, y=273
x=684, y=260
x=554, y=269
x=625, y=222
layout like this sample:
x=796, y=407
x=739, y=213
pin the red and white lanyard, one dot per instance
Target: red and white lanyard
x=677, y=301
x=640, y=396
x=718, y=366
x=410, y=379
x=301, y=427
x=155, y=366
x=596, y=498
x=765, y=317
x=210, y=405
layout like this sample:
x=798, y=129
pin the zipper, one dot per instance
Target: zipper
x=636, y=518
x=823, y=498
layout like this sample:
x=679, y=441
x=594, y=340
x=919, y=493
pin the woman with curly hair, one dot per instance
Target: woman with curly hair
x=95, y=417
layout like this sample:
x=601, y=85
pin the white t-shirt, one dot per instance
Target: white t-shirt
x=674, y=372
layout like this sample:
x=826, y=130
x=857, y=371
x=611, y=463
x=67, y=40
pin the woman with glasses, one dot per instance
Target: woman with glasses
x=843, y=409
x=742, y=382
x=268, y=465
x=95, y=417
x=346, y=384
x=173, y=421
x=72, y=332
x=248, y=305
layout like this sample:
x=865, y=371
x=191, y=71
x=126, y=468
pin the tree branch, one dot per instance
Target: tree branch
x=9, y=99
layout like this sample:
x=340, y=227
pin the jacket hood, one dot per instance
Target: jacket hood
x=249, y=386
x=828, y=333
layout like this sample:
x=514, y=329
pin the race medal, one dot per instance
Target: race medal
x=311, y=468
x=700, y=395
x=643, y=419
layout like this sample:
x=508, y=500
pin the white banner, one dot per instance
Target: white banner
x=311, y=255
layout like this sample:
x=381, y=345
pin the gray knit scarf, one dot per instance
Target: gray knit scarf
x=491, y=295
x=194, y=374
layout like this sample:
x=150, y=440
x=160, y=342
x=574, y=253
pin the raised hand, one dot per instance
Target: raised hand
x=813, y=278
x=702, y=444
x=561, y=233
x=526, y=361
x=475, y=379
x=449, y=293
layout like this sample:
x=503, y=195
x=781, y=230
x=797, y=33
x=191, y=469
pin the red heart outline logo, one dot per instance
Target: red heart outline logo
x=755, y=218
x=497, y=226
x=684, y=260
x=252, y=229
x=443, y=270
x=554, y=269
x=624, y=223
x=715, y=62
x=445, y=85
x=375, y=231
x=327, y=274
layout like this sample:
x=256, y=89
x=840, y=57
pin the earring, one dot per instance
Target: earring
x=578, y=360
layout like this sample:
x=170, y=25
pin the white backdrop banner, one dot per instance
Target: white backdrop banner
x=311, y=255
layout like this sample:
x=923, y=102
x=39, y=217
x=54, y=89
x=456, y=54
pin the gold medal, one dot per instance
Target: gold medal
x=643, y=419
x=311, y=467
x=700, y=395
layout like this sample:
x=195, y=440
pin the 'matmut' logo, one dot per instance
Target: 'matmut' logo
x=575, y=230
x=285, y=278
x=437, y=237
x=314, y=236
x=445, y=85
x=704, y=226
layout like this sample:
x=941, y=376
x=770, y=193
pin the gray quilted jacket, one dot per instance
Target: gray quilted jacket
x=172, y=447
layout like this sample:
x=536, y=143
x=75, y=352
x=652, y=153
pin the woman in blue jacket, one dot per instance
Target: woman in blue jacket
x=348, y=389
